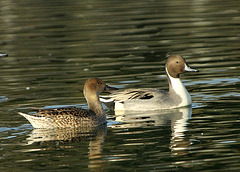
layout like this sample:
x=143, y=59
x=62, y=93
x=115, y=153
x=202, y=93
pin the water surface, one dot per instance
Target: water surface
x=54, y=47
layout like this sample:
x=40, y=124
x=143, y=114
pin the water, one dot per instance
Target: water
x=54, y=47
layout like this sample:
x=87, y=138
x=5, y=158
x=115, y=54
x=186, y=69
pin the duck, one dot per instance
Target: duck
x=73, y=117
x=144, y=99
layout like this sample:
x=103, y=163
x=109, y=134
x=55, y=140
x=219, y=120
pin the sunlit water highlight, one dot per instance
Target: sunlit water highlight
x=53, y=47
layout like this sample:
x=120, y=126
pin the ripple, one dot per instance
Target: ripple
x=53, y=48
x=3, y=98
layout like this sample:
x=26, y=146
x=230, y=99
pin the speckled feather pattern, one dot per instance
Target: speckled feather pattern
x=72, y=117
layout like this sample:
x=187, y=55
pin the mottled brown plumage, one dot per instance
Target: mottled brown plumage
x=73, y=117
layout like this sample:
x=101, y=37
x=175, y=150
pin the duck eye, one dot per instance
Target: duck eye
x=177, y=61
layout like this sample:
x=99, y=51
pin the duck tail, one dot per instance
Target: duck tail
x=38, y=121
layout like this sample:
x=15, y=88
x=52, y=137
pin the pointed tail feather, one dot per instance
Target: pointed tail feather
x=38, y=121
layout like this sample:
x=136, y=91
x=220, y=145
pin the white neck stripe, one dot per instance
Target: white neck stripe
x=180, y=89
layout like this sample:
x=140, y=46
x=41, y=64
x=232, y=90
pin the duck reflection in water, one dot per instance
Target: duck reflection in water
x=65, y=138
x=176, y=118
x=73, y=124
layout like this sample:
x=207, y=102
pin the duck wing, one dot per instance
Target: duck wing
x=135, y=94
x=64, y=111
x=61, y=118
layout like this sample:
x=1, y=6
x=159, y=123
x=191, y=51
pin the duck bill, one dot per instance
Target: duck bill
x=189, y=69
x=108, y=88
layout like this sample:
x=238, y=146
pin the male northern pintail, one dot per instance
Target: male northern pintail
x=74, y=117
x=152, y=98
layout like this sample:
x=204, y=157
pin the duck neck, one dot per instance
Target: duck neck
x=176, y=86
x=95, y=105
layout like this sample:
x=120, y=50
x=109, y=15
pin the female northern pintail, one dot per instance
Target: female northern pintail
x=74, y=117
x=154, y=99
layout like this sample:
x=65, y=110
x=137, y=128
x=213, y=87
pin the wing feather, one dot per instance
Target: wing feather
x=71, y=110
x=133, y=94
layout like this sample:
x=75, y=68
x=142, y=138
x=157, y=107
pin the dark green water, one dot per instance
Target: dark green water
x=55, y=46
